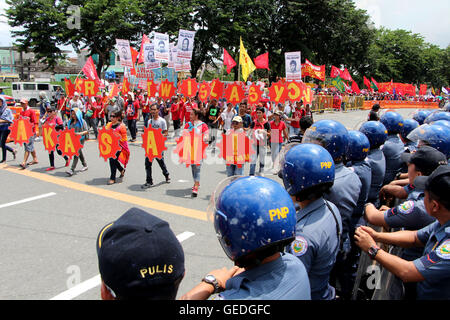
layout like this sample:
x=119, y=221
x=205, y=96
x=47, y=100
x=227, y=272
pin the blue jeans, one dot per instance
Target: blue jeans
x=275, y=150
x=234, y=170
x=293, y=131
x=196, y=172
x=261, y=153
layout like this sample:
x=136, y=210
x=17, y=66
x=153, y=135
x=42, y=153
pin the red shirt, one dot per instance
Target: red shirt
x=145, y=105
x=135, y=106
x=298, y=113
x=30, y=114
x=176, y=110
x=277, y=138
x=187, y=109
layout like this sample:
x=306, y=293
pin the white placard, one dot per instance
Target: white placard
x=293, y=65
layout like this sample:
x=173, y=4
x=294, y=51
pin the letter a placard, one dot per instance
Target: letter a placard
x=21, y=130
x=108, y=143
x=153, y=142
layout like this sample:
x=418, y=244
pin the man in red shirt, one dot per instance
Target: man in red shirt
x=278, y=132
x=176, y=109
x=297, y=114
x=187, y=109
x=260, y=133
x=29, y=113
x=132, y=113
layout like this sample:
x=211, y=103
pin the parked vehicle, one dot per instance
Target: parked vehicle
x=31, y=90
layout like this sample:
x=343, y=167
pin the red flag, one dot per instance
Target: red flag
x=125, y=86
x=134, y=55
x=423, y=89
x=114, y=91
x=346, y=75
x=145, y=40
x=355, y=88
x=374, y=82
x=367, y=83
x=90, y=71
x=262, y=61
x=228, y=61
x=69, y=87
x=335, y=72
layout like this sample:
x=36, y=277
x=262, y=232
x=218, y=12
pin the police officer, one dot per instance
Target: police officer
x=408, y=126
x=376, y=133
x=434, y=135
x=308, y=172
x=437, y=115
x=254, y=218
x=421, y=115
x=432, y=270
x=333, y=136
x=393, y=146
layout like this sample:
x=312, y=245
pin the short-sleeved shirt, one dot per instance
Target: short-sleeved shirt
x=277, y=131
x=30, y=114
x=258, y=126
x=434, y=265
x=160, y=123
x=377, y=164
x=344, y=194
x=270, y=281
x=364, y=173
x=316, y=244
x=392, y=150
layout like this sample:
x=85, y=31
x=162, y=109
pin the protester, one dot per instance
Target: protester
x=432, y=270
x=139, y=258
x=236, y=127
x=52, y=119
x=319, y=224
x=176, y=109
x=212, y=117
x=279, y=134
x=373, y=114
x=200, y=128
x=253, y=237
x=111, y=108
x=246, y=118
x=227, y=116
x=146, y=109
x=81, y=129
x=91, y=116
x=260, y=133
x=29, y=114
x=132, y=114
x=157, y=123
x=6, y=119
x=123, y=155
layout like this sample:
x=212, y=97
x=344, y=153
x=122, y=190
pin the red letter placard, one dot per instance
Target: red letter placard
x=216, y=89
x=69, y=143
x=49, y=137
x=203, y=91
x=278, y=92
x=190, y=148
x=152, y=88
x=108, y=143
x=90, y=88
x=166, y=89
x=295, y=90
x=188, y=87
x=153, y=142
x=234, y=93
x=254, y=94
x=21, y=130
x=235, y=148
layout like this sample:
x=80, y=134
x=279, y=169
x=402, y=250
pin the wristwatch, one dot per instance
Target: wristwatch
x=210, y=279
x=373, y=250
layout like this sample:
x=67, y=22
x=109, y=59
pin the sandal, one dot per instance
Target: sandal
x=23, y=166
x=31, y=163
x=110, y=182
x=122, y=173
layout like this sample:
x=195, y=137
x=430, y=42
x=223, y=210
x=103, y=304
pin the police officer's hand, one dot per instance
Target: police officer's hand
x=364, y=238
x=224, y=274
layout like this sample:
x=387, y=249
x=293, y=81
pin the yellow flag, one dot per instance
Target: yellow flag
x=246, y=62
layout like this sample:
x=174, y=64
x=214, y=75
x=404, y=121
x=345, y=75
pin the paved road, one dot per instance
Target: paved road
x=49, y=222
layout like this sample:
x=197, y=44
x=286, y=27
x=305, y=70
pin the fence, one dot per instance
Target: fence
x=399, y=104
x=326, y=103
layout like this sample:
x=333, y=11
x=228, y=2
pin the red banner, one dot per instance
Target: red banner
x=21, y=130
x=108, y=143
x=235, y=148
x=234, y=93
x=153, y=142
x=191, y=148
x=49, y=137
x=69, y=143
x=310, y=70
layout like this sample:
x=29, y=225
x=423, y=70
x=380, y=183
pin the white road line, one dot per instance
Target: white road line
x=96, y=281
x=27, y=200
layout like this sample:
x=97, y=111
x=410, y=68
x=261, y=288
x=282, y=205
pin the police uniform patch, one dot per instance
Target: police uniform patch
x=443, y=251
x=299, y=246
x=406, y=207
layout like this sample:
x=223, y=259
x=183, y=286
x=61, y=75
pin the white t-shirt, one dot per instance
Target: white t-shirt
x=227, y=117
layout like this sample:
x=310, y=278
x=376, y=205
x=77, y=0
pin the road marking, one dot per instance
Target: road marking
x=96, y=281
x=138, y=201
x=27, y=200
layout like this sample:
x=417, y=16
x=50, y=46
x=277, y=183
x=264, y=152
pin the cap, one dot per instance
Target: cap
x=237, y=119
x=438, y=182
x=426, y=159
x=23, y=100
x=279, y=112
x=137, y=253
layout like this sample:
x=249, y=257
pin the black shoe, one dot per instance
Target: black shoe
x=147, y=185
x=167, y=179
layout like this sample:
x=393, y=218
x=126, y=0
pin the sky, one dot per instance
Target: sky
x=429, y=18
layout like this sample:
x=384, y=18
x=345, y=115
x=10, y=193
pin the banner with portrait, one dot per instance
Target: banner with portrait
x=149, y=57
x=124, y=50
x=161, y=46
x=185, y=44
x=293, y=65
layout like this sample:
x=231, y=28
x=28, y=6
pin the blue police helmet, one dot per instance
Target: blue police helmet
x=408, y=126
x=434, y=135
x=375, y=131
x=359, y=146
x=393, y=121
x=307, y=165
x=444, y=123
x=438, y=115
x=251, y=213
x=421, y=115
x=331, y=135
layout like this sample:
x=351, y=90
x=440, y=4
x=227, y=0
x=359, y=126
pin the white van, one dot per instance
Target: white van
x=30, y=91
